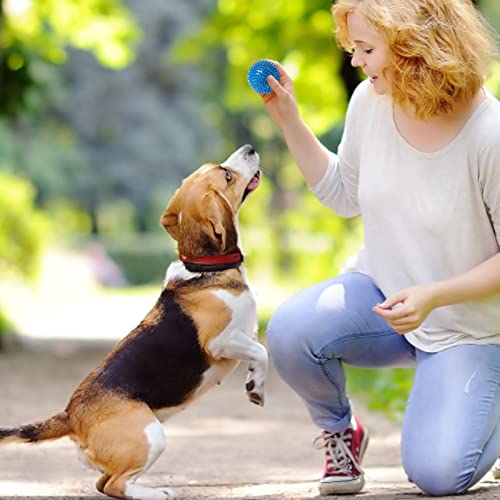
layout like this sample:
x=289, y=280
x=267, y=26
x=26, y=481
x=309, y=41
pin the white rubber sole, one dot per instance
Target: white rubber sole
x=340, y=487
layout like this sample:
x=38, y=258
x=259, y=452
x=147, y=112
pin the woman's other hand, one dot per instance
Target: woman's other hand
x=406, y=310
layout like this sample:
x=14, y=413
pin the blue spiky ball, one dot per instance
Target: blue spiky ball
x=258, y=73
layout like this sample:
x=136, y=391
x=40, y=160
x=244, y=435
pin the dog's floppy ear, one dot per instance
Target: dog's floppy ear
x=219, y=215
x=170, y=220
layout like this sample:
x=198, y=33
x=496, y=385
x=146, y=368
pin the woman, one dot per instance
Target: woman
x=420, y=162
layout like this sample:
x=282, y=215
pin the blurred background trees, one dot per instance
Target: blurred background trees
x=105, y=105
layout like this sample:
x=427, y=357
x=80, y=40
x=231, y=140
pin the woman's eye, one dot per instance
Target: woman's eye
x=368, y=51
x=229, y=175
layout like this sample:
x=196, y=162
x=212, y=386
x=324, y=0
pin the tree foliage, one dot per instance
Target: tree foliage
x=23, y=228
x=113, y=142
x=139, y=130
x=298, y=34
x=47, y=27
x=35, y=33
x=289, y=228
x=491, y=10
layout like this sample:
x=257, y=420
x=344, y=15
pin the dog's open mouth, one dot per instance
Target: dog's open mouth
x=252, y=185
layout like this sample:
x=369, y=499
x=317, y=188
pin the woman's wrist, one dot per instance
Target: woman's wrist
x=449, y=292
x=294, y=128
x=478, y=283
x=291, y=123
x=439, y=294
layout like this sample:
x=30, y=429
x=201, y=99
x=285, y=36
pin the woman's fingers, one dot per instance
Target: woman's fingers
x=392, y=314
x=281, y=69
x=275, y=85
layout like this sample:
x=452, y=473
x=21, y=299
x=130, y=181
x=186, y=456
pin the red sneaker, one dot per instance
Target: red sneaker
x=344, y=452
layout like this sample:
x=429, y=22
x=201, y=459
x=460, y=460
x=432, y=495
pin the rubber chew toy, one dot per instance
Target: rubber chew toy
x=258, y=73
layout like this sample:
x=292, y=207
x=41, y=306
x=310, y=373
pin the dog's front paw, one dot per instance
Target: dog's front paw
x=254, y=394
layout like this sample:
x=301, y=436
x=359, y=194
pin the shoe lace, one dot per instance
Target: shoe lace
x=338, y=451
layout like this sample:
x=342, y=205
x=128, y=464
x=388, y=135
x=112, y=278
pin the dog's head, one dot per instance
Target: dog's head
x=201, y=216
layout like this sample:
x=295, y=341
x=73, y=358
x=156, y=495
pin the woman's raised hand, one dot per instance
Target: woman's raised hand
x=281, y=103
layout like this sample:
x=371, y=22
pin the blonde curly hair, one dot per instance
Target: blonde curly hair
x=441, y=49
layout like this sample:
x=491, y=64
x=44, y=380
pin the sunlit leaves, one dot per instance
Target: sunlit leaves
x=491, y=9
x=23, y=228
x=493, y=82
x=298, y=33
x=47, y=27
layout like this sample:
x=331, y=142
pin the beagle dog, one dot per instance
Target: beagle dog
x=202, y=325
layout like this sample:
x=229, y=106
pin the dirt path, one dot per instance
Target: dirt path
x=221, y=447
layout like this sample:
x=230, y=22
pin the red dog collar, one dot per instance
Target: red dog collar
x=213, y=263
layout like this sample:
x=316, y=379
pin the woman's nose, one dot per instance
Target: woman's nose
x=357, y=61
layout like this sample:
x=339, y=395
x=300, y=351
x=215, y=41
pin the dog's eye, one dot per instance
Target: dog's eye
x=229, y=175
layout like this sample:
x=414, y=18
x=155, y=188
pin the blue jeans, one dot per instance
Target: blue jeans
x=451, y=435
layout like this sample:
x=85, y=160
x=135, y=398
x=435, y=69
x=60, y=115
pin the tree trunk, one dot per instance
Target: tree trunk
x=349, y=74
x=141, y=221
x=93, y=212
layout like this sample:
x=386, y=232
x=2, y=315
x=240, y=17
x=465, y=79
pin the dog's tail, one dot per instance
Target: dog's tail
x=54, y=427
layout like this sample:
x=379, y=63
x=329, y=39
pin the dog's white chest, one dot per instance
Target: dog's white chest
x=242, y=327
x=177, y=271
x=243, y=310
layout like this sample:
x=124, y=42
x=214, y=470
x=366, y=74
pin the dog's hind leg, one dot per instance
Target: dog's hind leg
x=102, y=482
x=124, y=446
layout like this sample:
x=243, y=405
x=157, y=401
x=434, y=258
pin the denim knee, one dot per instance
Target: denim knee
x=438, y=475
x=285, y=339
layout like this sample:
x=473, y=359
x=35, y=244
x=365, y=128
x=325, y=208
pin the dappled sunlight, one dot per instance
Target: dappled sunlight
x=109, y=30
x=291, y=490
x=224, y=426
x=67, y=302
x=28, y=488
x=49, y=487
x=493, y=82
x=16, y=8
x=269, y=294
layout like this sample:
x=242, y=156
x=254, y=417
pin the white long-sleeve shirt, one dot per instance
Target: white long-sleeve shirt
x=427, y=216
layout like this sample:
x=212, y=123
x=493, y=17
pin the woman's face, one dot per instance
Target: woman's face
x=371, y=52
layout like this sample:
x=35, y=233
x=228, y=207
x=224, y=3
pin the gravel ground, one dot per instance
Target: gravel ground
x=220, y=448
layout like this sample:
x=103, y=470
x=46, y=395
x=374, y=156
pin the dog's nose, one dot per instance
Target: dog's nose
x=248, y=150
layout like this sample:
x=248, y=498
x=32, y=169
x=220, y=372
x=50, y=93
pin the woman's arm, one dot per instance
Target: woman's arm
x=417, y=302
x=309, y=154
x=478, y=283
x=333, y=179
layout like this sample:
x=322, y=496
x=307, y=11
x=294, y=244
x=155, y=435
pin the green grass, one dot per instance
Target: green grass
x=384, y=389
x=6, y=327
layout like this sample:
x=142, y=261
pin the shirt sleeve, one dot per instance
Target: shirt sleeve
x=338, y=188
x=489, y=182
x=334, y=192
